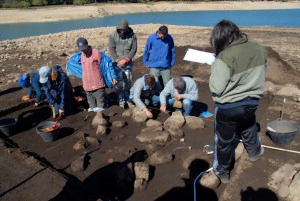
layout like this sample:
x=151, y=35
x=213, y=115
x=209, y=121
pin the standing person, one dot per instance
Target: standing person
x=58, y=90
x=237, y=83
x=180, y=92
x=31, y=81
x=92, y=78
x=144, y=92
x=122, y=48
x=159, y=54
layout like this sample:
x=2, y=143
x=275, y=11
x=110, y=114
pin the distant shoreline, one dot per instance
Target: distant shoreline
x=61, y=13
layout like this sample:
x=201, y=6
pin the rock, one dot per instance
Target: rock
x=297, y=166
x=110, y=160
x=210, y=180
x=151, y=148
x=274, y=184
x=111, y=114
x=92, y=141
x=152, y=122
x=140, y=184
x=238, y=151
x=152, y=129
x=282, y=172
x=194, y=122
x=160, y=157
x=289, y=90
x=269, y=86
x=294, y=188
x=175, y=121
x=119, y=124
x=141, y=170
x=190, y=156
x=78, y=164
x=153, y=137
x=99, y=120
x=101, y=130
x=175, y=132
x=81, y=144
x=138, y=115
x=283, y=190
x=127, y=113
x=80, y=135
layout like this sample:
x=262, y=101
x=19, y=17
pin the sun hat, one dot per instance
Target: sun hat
x=44, y=72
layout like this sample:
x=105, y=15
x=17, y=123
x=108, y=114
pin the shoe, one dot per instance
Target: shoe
x=224, y=178
x=255, y=158
x=122, y=104
x=91, y=109
x=210, y=180
x=98, y=109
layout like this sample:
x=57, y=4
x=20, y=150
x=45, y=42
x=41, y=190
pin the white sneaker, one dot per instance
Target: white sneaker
x=91, y=109
x=122, y=104
x=98, y=109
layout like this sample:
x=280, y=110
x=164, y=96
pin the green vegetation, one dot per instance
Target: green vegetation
x=33, y=3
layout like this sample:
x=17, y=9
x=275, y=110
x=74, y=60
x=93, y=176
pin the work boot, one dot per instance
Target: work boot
x=255, y=158
x=210, y=180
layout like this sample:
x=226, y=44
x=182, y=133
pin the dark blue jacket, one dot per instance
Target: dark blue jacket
x=35, y=86
x=60, y=92
x=159, y=53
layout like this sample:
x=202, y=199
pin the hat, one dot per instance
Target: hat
x=123, y=25
x=23, y=81
x=82, y=44
x=44, y=72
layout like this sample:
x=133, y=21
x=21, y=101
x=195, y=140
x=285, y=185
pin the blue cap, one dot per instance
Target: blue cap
x=44, y=72
x=23, y=81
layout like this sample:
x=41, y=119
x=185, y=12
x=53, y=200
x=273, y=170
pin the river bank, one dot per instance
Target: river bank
x=60, y=13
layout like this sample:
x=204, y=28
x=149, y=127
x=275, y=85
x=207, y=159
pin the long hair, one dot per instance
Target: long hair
x=223, y=34
x=54, y=74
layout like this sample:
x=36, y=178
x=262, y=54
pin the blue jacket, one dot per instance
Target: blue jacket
x=159, y=53
x=35, y=86
x=60, y=92
x=106, y=66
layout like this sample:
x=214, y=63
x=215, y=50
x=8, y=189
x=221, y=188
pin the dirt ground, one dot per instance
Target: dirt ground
x=50, y=176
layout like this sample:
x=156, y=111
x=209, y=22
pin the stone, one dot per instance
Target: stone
x=140, y=185
x=175, y=132
x=81, y=144
x=127, y=113
x=238, y=151
x=160, y=157
x=138, y=115
x=151, y=148
x=294, y=188
x=283, y=190
x=194, y=122
x=274, y=184
x=297, y=166
x=269, y=86
x=101, y=130
x=152, y=122
x=119, y=124
x=80, y=135
x=282, y=172
x=153, y=137
x=152, y=129
x=175, y=121
x=99, y=120
x=92, y=141
x=210, y=180
x=141, y=170
x=78, y=164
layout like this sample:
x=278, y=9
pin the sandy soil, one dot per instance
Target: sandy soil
x=100, y=10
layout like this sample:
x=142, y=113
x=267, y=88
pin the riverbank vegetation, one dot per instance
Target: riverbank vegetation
x=36, y=3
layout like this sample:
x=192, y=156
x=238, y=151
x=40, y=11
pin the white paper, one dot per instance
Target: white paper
x=199, y=56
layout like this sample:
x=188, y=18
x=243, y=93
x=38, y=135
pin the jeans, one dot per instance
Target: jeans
x=124, y=78
x=165, y=74
x=231, y=125
x=95, y=98
x=187, y=105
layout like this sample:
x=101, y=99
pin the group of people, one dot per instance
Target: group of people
x=236, y=82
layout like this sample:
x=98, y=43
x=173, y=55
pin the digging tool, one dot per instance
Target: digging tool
x=281, y=111
x=53, y=112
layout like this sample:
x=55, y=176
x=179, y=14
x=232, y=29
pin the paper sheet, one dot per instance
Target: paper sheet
x=199, y=56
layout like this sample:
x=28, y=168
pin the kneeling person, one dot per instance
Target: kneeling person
x=179, y=92
x=145, y=91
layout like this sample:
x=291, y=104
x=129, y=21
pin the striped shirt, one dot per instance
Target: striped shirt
x=92, y=78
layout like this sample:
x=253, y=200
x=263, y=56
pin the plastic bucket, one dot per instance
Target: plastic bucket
x=47, y=136
x=282, y=132
x=8, y=126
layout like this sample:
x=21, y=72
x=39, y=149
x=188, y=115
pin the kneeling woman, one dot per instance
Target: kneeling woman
x=58, y=89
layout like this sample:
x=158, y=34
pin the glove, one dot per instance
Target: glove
x=177, y=104
x=25, y=98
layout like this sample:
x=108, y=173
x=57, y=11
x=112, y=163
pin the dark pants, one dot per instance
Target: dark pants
x=231, y=125
x=96, y=98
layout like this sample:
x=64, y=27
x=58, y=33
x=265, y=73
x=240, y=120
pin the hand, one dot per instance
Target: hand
x=148, y=113
x=60, y=112
x=179, y=96
x=114, y=81
x=36, y=104
x=121, y=63
x=163, y=108
x=25, y=98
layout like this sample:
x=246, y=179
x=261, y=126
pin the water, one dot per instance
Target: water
x=285, y=18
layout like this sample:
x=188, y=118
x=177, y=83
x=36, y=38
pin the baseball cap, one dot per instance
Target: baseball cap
x=44, y=72
x=82, y=44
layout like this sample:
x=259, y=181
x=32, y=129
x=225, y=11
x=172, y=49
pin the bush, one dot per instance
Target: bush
x=39, y=2
x=80, y=2
x=21, y=4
